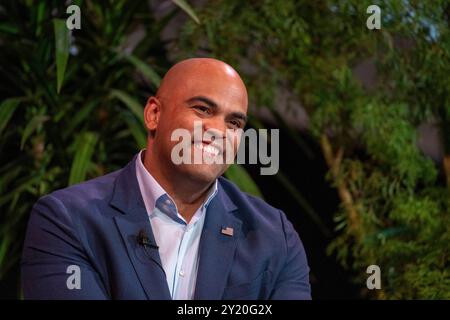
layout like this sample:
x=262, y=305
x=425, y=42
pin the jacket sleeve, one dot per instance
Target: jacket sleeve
x=54, y=264
x=293, y=280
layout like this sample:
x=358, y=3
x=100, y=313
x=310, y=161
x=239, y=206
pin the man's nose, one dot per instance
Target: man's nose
x=217, y=128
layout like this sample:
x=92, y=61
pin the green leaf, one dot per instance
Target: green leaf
x=8, y=28
x=82, y=115
x=28, y=182
x=242, y=179
x=187, y=8
x=7, y=109
x=8, y=176
x=84, y=150
x=6, y=239
x=31, y=127
x=130, y=102
x=137, y=130
x=61, y=50
x=40, y=17
x=146, y=70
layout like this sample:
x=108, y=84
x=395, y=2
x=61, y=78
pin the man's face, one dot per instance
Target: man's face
x=218, y=102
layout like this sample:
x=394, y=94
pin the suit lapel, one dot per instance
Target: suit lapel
x=216, y=249
x=146, y=261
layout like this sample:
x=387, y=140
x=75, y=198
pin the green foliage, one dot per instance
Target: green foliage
x=84, y=150
x=187, y=8
x=62, y=44
x=60, y=121
x=7, y=109
x=72, y=101
x=242, y=179
x=71, y=109
x=395, y=204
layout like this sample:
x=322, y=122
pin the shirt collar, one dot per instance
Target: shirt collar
x=151, y=190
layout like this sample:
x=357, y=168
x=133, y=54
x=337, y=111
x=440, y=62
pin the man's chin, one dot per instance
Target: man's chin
x=202, y=173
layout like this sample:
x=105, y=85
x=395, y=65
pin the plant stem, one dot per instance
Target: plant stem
x=334, y=162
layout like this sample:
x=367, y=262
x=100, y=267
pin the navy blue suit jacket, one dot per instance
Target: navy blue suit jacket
x=94, y=225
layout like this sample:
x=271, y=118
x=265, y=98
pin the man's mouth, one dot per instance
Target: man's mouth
x=207, y=148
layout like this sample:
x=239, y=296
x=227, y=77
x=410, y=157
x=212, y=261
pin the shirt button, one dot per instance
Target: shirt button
x=181, y=273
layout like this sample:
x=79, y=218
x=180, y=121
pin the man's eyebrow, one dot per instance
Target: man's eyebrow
x=239, y=115
x=204, y=99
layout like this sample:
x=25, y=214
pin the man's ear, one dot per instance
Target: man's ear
x=151, y=113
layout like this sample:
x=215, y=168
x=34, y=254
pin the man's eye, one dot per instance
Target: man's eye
x=203, y=109
x=235, y=123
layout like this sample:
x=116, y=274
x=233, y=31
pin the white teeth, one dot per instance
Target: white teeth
x=212, y=150
x=207, y=148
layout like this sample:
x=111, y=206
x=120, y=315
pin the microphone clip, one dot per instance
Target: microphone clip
x=144, y=241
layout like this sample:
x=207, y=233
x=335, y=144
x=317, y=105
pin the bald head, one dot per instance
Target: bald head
x=207, y=72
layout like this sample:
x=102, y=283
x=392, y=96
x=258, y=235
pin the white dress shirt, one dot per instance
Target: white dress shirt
x=178, y=241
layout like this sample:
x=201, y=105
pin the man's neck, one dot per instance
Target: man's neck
x=188, y=196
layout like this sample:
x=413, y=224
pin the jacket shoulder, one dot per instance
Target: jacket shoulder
x=84, y=193
x=254, y=209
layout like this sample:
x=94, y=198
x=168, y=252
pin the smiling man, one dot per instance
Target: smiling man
x=158, y=229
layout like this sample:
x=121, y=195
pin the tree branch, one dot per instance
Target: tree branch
x=334, y=163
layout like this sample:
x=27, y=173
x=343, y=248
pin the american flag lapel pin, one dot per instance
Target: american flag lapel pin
x=227, y=231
